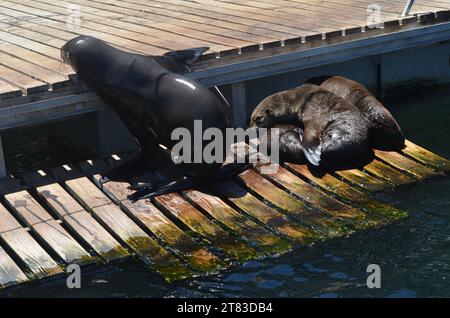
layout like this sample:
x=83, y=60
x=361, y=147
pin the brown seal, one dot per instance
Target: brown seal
x=332, y=131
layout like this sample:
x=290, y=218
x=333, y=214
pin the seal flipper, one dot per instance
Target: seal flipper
x=311, y=144
x=149, y=191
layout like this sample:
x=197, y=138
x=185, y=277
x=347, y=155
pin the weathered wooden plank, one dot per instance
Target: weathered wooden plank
x=318, y=219
x=112, y=218
x=403, y=163
x=363, y=180
x=426, y=157
x=25, y=246
x=10, y=273
x=246, y=228
x=76, y=217
x=349, y=194
x=44, y=225
x=26, y=83
x=325, y=202
x=33, y=70
x=277, y=221
x=7, y=90
x=391, y=175
x=199, y=223
x=145, y=213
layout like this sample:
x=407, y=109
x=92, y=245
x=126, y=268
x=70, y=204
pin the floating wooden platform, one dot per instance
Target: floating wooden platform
x=33, y=31
x=50, y=219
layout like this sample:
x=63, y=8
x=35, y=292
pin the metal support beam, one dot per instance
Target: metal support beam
x=239, y=104
x=407, y=8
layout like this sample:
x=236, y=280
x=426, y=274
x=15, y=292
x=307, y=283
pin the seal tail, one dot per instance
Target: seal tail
x=188, y=56
x=151, y=190
x=318, y=80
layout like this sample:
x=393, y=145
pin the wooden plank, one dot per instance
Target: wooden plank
x=390, y=175
x=76, y=217
x=192, y=21
x=10, y=273
x=401, y=162
x=325, y=202
x=206, y=18
x=349, y=194
x=277, y=221
x=194, y=30
x=33, y=70
x=8, y=90
x=44, y=225
x=140, y=38
x=330, y=225
x=28, y=84
x=200, y=224
x=363, y=180
x=117, y=222
x=146, y=214
x=263, y=240
x=426, y=157
x=25, y=246
x=227, y=15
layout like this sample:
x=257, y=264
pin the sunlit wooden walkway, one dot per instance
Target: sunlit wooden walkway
x=32, y=31
x=50, y=219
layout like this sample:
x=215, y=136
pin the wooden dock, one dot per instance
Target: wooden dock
x=32, y=31
x=50, y=219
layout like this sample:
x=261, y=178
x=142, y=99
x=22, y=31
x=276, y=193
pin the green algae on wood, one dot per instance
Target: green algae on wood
x=401, y=162
x=329, y=225
x=386, y=213
x=363, y=180
x=390, y=175
x=317, y=198
x=266, y=242
x=117, y=222
x=277, y=221
x=426, y=157
x=146, y=214
x=199, y=223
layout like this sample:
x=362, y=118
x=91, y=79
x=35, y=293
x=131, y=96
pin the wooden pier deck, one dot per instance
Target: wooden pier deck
x=32, y=31
x=50, y=219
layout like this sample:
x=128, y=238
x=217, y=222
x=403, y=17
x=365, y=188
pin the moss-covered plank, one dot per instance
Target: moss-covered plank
x=426, y=157
x=325, y=202
x=391, y=176
x=145, y=213
x=330, y=225
x=401, y=162
x=199, y=223
x=263, y=240
x=350, y=194
x=363, y=180
x=117, y=222
x=251, y=205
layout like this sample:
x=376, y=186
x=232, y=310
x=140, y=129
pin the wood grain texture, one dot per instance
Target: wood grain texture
x=146, y=214
x=37, y=260
x=10, y=273
x=76, y=217
x=117, y=222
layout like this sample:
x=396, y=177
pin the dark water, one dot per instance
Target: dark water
x=414, y=254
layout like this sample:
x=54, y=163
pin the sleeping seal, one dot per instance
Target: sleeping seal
x=150, y=99
x=332, y=131
x=384, y=132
